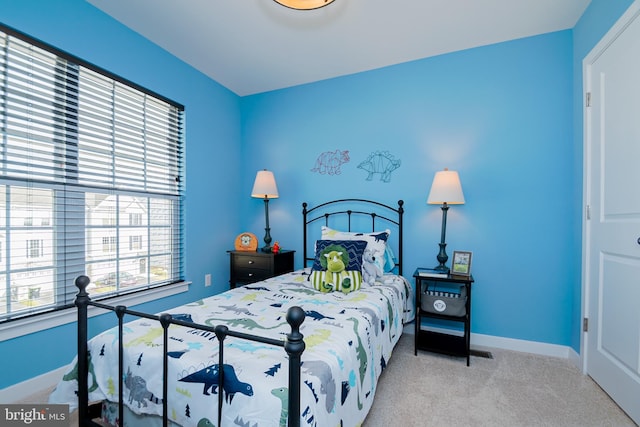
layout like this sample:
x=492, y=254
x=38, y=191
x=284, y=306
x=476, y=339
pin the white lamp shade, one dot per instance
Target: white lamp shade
x=265, y=185
x=446, y=188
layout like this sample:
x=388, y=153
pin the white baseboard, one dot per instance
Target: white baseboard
x=19, y=392
x=544, y=349
x=487, y=342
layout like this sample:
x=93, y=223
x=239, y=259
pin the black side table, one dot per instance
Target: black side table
x=250, y=267
x=440, y=342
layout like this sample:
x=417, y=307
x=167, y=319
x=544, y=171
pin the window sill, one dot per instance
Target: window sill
x=62, y=317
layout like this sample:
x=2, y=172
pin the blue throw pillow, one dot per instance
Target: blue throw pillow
x=354, y=249
x=376, y=244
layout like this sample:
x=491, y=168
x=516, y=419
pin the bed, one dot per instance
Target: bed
x=284, y=351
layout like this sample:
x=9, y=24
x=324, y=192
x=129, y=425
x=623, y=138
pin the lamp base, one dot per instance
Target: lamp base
x=267, y=229
x=441, y=269
x=442, y=254
x=442, y=259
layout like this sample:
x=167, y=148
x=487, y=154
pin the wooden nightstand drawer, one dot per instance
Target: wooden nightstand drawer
x=249, y=275
x=251, y=262
x=250, y=267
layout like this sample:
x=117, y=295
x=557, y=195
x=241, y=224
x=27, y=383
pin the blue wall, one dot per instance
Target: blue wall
x=506, y=116
x=500, y=115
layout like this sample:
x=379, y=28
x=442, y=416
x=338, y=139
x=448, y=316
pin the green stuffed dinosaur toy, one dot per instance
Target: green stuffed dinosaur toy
x=337, y=278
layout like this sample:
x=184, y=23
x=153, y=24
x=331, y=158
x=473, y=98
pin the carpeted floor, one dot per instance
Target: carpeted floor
x=512, y=389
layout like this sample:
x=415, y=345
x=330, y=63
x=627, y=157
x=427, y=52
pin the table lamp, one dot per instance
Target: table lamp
x=445, y=190
x=265, y=187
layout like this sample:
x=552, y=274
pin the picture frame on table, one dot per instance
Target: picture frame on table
x=461, y=263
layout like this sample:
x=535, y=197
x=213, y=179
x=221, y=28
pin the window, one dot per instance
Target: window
x=90, y=180
x=34, y=248
x=135, y=243
x=109, y=244
x=135, y=218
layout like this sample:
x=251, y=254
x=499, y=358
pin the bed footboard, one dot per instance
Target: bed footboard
x=293, y=345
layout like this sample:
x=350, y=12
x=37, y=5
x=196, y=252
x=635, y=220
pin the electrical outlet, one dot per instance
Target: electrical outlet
x=207, y=279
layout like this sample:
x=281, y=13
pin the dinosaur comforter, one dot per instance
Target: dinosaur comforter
x=349, y=339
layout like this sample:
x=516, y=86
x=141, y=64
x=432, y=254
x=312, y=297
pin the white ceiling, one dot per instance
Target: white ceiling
x=253, y=46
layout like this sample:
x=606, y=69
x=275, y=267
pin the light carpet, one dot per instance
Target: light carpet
x=511, y=389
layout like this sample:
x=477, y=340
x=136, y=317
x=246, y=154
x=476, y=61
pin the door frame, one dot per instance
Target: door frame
x=614, y=32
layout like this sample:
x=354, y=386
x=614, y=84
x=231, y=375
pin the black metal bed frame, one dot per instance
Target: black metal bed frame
x=293, y=345
x=321, y=212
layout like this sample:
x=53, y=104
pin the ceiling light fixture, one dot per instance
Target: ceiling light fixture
x=304, y=4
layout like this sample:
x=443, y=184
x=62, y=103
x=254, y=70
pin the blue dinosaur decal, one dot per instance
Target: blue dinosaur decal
x=176, y=354
x=317, y=316
x=209, y=376
x=184, y=317
x=256, y=288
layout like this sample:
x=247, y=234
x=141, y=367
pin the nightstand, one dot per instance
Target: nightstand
x=442, y=342
x=250, y=267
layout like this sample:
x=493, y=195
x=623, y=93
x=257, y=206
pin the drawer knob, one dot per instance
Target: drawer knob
x=250, y=261
x=250, y=274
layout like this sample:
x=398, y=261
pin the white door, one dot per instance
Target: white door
x=612, y=230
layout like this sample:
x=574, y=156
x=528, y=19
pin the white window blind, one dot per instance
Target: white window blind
x=90, y=180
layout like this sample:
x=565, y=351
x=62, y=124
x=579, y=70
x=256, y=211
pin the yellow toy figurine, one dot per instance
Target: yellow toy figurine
x=275, y=248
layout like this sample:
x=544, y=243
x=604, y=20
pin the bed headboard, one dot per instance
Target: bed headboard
x=353, y=215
